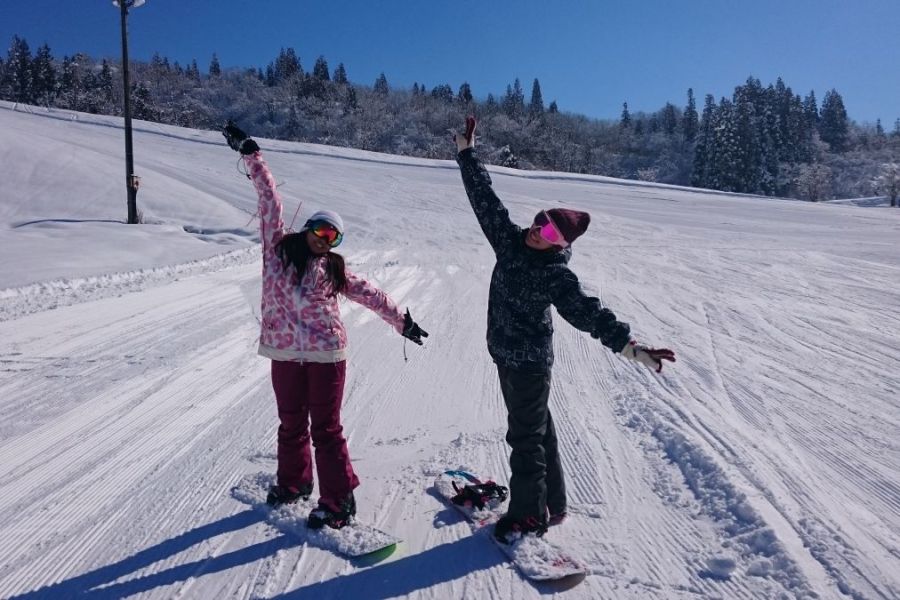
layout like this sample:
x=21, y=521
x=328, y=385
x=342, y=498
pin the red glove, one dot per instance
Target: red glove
x=649, y=357
x=468, y=140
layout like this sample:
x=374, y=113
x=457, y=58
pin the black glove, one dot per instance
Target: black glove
x=238, y=140
x=411, y=330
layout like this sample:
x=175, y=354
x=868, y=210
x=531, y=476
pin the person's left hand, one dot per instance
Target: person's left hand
x=411, y=329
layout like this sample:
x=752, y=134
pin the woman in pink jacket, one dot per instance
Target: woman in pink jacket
x=303, y=335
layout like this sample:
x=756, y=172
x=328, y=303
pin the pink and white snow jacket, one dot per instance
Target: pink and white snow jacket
x=301, y=320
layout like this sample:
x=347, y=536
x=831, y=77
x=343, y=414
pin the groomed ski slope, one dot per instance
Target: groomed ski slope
x=765, y=463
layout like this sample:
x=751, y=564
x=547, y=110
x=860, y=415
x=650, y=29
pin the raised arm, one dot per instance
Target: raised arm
x=489, y=210
x=271, y=222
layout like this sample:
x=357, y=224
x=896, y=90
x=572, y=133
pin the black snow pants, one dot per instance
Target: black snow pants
x=537, y=481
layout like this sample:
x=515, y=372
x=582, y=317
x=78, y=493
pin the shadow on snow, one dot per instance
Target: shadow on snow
x=401, y=577
x=85, y=586
x=440, y=564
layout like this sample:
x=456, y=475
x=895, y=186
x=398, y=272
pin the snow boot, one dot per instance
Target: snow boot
x=557, y=518
x=282, y=494
x=323, y=514
x=509, y=529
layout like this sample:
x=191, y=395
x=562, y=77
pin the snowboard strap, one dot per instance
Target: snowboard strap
x=479, y=495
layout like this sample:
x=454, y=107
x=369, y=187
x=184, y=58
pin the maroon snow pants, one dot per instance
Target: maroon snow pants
x=309, y=405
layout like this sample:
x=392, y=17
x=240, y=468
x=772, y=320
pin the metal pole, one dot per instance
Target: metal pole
x=130, y=181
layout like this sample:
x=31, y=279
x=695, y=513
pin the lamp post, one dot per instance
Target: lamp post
x=131, y=180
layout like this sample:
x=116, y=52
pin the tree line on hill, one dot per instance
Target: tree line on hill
x=762, y=140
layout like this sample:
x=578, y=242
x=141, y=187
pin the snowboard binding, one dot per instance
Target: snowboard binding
x=479, y=495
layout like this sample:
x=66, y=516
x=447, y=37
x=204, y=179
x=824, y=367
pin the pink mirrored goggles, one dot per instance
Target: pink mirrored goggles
x=549, y=231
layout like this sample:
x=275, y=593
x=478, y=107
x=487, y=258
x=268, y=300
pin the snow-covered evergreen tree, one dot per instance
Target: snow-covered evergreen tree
x=340, y=74
x=287, y=66
x=215, y=69
x=74, y=78
x=625, y=118
x=464, y=96
x=744, y=148
x=514, y=100
x=669, y=119
x=68, y=81
x=351, y=101
x=320, y=70
x=44, y=84
x=106, y=88
x=19, y=71
x=381, y=85
x=701, y=174
x=811, y=109
x=96, y=94
x=142, y=102
x=442, y=93
x=639, y=127
x=725, y=153
x=833, y=122
x=689, y=119
x=536, y=106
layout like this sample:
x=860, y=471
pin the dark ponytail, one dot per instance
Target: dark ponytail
x=293, y=250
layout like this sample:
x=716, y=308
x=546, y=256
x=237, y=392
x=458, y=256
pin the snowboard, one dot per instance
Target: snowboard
x=353, y=540
x=535, y=557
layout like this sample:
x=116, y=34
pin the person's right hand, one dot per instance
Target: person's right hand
x=467, y=140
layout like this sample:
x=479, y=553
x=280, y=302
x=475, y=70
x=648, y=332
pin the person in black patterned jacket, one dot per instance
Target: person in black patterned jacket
x=530, y=275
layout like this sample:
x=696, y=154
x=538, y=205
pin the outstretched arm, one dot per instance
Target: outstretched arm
x=489, y=210
x=366, y=294
x=587, y=314
x=363, y=292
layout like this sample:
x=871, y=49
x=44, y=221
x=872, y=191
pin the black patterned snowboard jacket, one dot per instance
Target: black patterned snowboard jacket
x=524, y=284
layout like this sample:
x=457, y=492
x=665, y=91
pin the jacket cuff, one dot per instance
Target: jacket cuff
x=630, y=350
x=466, y=154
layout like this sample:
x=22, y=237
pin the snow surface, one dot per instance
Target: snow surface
x=764, y=464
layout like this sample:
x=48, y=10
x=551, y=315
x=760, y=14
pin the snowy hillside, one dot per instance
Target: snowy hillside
x=765, y=463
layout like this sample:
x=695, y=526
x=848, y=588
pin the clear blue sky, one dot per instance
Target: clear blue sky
x=589, y=56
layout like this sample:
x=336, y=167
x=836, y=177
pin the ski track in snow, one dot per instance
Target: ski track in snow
x=763, y=464
x=47, y=295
